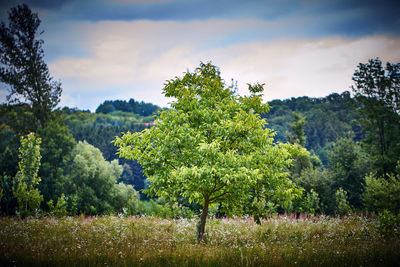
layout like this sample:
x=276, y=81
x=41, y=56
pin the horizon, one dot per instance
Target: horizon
x=267, y=102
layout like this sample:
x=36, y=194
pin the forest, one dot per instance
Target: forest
x=273, y=168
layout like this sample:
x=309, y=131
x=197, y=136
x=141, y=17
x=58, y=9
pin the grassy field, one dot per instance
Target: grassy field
x=148, y=241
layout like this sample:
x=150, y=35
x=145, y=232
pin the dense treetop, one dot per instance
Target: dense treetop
x=132, y=106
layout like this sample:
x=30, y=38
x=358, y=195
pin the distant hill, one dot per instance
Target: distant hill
x=327, y=119
x=132, y=106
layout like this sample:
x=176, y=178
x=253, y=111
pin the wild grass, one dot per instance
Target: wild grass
x=149, y=241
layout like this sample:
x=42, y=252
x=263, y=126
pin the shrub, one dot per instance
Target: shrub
x=382, y=193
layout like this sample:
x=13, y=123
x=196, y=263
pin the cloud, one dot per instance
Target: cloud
x=134, y=59
x=140, y=1
x=341, y=17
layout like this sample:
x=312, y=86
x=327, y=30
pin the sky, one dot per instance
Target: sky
x=120, y=49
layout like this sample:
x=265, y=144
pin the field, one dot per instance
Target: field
x=149, y=241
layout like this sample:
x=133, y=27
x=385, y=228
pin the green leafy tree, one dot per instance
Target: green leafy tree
x=57, y=144
x=121, y=194
x=377, y=90
x=22, y=64
x=317, y=186
x=348, y=166
x=27, y=179
x=8, y=201
x=309, y=203
x=297, y=136
x=382, y=193
x=342, y=204
x=9, y=143
x=15, y=121
x=303, y=165
x=211, y=147
x=60, y=209
x=91, y=180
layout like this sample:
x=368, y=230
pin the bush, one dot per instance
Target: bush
x=382, y=193
x=26, y=191
x=388, y=223
x=342, y=204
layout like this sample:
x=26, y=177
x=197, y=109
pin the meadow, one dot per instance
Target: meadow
x=353, y=240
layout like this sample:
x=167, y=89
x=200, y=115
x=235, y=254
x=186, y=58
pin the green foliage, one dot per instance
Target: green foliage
x=91, y=180
x=303, y=165
x=309, y=203
x=60, y=209
x=100, y=129
x=17, y=119
x=132, y=106
x=57, y=144
x=303, y=161
x=377, y=91
x=211, y=147
x=118, y=119
x=296, y=136
x=348, y=166
x=8, y=152
x=27, y=179
x=14, y=121
x=159, y=208
x=8, y=201
x=389, y=223
x=382, y=193
x=121, y=194
x=23, y=67
x=318, y=180
x=326, y=119
x=342, y=204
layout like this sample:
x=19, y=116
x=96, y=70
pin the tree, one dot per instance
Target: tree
x=382, y=193
x=91, y=181
x=22, y=64
x=377, y=91
x=297, y=136
x=27, y=179
x=211, y=147
x=316, y=182
x=348, y=166
x=57, y=143
x=342, y=204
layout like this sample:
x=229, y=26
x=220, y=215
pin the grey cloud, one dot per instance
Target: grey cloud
x=327, y=17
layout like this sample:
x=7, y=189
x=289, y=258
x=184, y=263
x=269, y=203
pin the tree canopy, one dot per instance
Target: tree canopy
x=377, y=90
x=144, y=109
x=91, y=181
x=212, y=147
x=22, y=64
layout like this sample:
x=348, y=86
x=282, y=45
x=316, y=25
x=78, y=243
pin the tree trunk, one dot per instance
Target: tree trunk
x=203, y=219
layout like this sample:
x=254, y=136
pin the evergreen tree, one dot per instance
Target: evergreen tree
x=22, y=64
x=377, y=91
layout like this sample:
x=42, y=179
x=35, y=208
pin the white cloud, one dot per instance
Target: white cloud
x=134, y=59
x=292, y=68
